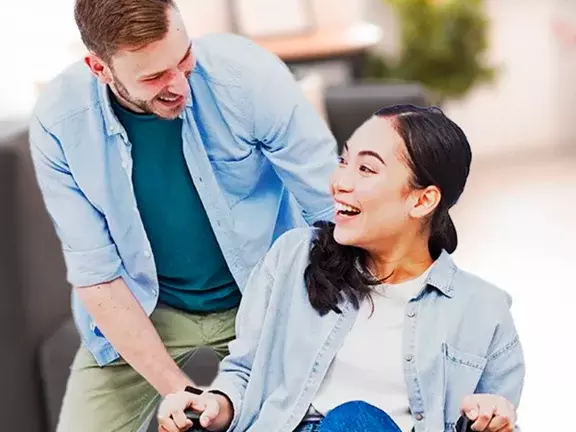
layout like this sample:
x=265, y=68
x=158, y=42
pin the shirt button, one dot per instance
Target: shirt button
x=419, y=417
x=411, y=313
x=409, y=358
x=147, y=254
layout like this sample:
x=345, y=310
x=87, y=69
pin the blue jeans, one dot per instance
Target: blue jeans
x=355, y=416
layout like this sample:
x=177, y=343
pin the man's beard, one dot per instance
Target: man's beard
x=146, y=106
x=122, y=91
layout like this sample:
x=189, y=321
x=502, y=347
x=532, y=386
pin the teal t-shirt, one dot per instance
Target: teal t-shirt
x=192, y=271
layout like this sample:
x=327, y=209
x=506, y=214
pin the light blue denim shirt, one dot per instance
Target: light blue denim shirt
x=258, y=153
x=459, y=339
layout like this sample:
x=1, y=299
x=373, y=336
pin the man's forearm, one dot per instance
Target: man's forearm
x=122, y=320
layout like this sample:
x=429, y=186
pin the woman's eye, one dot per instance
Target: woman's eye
x=365, y=169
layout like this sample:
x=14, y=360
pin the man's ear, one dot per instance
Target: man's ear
x=100, y=69
x=426, y=202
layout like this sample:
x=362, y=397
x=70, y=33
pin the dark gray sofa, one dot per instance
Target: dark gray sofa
x=37, y=336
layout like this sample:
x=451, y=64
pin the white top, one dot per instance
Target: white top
x=369, y=366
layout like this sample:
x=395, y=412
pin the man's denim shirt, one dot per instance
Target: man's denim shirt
x=258, y=153
x=459, y=339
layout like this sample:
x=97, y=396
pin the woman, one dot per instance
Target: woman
x=367, y=323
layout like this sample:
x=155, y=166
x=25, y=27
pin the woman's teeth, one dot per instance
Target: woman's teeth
x=344, y=208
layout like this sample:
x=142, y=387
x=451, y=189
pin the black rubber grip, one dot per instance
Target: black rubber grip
x=195, y=417
x=464, y=424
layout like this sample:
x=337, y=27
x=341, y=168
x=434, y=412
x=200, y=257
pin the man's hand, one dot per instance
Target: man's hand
x=216, y=412
x=490, y=413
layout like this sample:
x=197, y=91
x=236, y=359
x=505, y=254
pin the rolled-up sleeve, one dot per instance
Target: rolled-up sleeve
x=90, y=255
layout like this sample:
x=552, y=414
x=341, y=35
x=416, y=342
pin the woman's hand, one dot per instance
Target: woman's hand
x=216, y=412
x=490, y=413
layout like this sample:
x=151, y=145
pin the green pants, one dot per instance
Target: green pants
x=115, y=398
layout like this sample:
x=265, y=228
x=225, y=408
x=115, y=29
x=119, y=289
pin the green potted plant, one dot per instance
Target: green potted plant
x=442, y=46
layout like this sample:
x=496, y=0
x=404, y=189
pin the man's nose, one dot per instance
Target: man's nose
x=179, y=84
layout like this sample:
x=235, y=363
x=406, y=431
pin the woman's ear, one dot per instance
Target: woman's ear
x=426, y=201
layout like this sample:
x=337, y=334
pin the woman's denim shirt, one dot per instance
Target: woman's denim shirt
x=459, y=339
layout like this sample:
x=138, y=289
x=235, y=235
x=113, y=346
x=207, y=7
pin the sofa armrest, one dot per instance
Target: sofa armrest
x=349, y=106
x=35, y=294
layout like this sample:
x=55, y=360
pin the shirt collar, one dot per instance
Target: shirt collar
x=111, y=122
x=441, y=275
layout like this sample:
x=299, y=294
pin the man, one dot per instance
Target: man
x=168, y=169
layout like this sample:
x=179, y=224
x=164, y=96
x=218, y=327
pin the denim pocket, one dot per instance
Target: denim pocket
x=238, y=178
x=462, y=372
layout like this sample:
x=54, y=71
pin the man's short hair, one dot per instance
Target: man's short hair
x=107, y=26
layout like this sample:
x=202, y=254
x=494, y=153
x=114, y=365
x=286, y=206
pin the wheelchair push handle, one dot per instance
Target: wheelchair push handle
x=195, y=418
x=464, y=424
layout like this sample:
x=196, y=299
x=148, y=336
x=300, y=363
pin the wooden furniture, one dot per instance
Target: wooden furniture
x=344, y=46
x=324, y=43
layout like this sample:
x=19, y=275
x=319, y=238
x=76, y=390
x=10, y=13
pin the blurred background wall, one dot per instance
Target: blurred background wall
x=530, y=103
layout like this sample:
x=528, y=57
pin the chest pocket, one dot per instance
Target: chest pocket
x=239, y=178
x=462, y=372
x=237, y=162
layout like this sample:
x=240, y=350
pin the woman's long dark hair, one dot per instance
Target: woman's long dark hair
x=437, y=153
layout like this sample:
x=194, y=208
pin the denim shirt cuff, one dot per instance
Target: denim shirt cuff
x=92, y=267
x=225, y=386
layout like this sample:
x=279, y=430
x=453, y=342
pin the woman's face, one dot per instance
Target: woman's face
x=371, y=188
